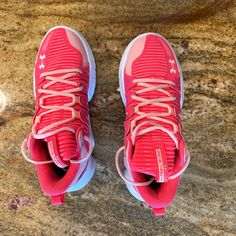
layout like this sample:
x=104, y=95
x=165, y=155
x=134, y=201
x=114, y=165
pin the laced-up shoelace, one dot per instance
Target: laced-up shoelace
x=42, y=133
x=157, y=116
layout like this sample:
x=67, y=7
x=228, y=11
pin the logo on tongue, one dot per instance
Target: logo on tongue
x=161, y=167
x=51, y=149
x=55, y=156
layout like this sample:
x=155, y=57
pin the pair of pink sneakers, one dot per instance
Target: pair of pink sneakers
x=61, y=141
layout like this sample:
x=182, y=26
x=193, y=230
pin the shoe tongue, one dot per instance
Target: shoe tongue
x=62, y=147
x=154, y=155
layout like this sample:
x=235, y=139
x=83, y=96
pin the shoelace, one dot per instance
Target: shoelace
x=24, y=149
x=51, y=93
x=49, y=109
x=135, y=129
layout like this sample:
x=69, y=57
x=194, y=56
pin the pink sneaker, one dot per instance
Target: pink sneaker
x=61, y=140
x=151, y=87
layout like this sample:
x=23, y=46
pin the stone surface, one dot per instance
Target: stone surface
x=203, y=35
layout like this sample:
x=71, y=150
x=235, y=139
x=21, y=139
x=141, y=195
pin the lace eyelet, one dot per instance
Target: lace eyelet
x=37, y=119
x=40, y=102
x=75, y=114
x=176, y=129
x=77, y=99
x=132, y=125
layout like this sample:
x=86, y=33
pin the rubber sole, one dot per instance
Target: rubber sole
x=85, y=177
x=123, y=61
x=88, y=173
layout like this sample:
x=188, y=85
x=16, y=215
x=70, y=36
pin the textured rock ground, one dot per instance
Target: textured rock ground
x=203, y=35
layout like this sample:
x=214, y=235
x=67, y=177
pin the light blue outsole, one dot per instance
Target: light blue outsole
x=85, y=178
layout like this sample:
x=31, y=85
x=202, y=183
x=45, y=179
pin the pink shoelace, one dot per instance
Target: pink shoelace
x=44, y=132
x=135, y=129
